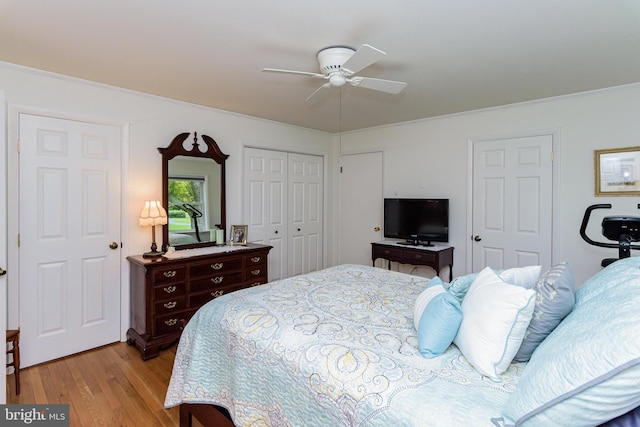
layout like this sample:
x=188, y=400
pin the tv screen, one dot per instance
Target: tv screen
x=418, y=221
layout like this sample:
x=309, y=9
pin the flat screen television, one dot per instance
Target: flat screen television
x=418, y=221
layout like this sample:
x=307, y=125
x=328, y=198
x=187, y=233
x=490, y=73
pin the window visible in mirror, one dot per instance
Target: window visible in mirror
x=188, y=206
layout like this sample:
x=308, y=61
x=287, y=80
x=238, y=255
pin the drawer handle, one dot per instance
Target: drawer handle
x=387, y=252
x=255, y=259
x=217, y=293
x=256, y=284
x=171, y=304
x=171, y=273
x=255, y=272
x=171, y=322
x=217, y=265
x=170, y=289
x=217, y=280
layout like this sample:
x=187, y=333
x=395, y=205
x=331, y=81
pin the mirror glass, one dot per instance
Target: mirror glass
x=193, y=191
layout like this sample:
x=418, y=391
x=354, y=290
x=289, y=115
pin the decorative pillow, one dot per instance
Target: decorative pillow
x=522, y=276
x=630, y=419
x=554, y=300
x=495, y=317
x=460, y=286
x=586, y=371
x=437, y=316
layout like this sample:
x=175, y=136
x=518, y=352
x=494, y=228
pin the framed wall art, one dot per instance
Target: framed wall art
x=617, y=171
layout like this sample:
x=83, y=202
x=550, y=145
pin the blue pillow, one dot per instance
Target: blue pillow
x=554, y=300
x=437, y=317
x=460, y=286
x=586, y=371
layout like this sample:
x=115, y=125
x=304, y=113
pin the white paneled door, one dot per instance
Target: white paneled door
x=69, y=221
x=361, y=205
x=265, y=193
x=305, y=213
x=512, y=202
x=283, y=207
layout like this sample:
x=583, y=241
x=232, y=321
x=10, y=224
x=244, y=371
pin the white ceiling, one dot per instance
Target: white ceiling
x=455, y=55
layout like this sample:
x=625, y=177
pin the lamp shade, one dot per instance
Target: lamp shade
x=153, y=213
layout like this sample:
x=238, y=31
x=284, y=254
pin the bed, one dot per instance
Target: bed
x=342, y=347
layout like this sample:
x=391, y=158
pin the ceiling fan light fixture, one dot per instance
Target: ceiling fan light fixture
x=337, y=79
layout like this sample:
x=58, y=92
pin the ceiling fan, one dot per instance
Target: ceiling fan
x=339, y=64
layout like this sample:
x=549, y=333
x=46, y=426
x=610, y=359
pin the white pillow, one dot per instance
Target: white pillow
x=495, y=317
x=524, y=277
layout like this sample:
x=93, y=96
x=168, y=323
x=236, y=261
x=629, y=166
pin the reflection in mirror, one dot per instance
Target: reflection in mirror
x=194, y=200
x=193, y=191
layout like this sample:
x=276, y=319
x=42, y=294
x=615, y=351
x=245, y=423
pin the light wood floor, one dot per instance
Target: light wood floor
x=108, y=386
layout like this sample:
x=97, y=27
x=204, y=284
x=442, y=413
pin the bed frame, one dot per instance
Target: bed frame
x=208, y=415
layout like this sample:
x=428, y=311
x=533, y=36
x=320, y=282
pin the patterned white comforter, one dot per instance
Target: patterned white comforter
x=330, y=348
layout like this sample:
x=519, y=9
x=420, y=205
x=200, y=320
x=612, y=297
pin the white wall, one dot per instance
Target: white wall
x=430, y=158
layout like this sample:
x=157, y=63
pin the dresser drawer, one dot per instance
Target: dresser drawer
x=170, y=306
x=172, y=323
x=253, y=260
x=215, y=282
x=168, y=275
x=418, y=257
x=163, y=292
x=387, y=253
x=255, y=275
x=215, y=267
x=198, y=300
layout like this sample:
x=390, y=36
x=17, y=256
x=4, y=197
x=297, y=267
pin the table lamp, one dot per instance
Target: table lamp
x=153, y=214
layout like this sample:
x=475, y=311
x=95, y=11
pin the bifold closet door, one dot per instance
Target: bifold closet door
x=305, y=213
x=265, y=205
x=283, y=208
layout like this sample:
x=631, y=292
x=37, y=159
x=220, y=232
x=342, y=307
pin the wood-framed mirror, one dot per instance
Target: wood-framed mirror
x=193, y=191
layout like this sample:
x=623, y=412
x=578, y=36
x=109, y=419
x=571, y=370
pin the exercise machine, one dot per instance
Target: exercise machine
x=622, y=229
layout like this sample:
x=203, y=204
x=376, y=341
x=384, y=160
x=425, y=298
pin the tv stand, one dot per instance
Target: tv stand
x=435, y=257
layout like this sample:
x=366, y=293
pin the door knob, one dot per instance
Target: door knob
x=376, y=228
x=477, y=238
x=2, y=271
x=113, y=245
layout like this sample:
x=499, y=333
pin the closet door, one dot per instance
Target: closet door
x=265, y=204
x=305, y=213
x=283, y=207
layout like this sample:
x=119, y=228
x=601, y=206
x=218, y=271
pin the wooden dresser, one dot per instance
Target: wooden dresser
x=165, y=292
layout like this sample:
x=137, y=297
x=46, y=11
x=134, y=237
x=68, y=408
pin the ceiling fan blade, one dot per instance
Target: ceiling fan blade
x=388, y=86
x=316, y=94
x=362, y=58
x=303, y=73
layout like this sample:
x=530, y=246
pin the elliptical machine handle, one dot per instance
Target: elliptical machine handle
x=585, y=221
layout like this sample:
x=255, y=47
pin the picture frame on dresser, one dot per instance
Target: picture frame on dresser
x=239, y=235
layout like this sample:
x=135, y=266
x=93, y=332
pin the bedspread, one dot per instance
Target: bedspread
x=331, y=348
